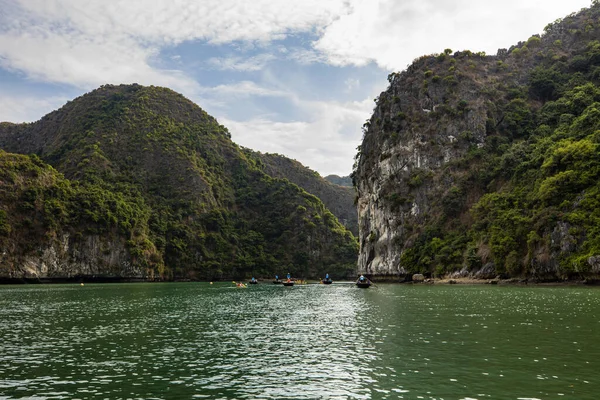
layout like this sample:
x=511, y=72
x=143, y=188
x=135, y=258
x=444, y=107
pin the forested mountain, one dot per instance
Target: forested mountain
x=338, y=199
x=139, y=182
x=488, y=165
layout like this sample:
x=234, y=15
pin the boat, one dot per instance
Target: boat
x=253, y=282
x=288, y=283
x=277, y=282
x=363, y=285
x=327, y=280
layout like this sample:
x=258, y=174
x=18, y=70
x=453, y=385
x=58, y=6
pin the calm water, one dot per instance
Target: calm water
x=195, y=340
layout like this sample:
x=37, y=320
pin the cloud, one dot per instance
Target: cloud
x=97, y=41
x=306, y=56
x=326, y=142
x=392, y=33
x=84, y=62
x=175, y=21
x=27, y=108
x=235, y=63
x=244, y=89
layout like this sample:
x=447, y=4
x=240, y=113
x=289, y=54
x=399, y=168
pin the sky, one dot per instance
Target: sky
x=296, y=78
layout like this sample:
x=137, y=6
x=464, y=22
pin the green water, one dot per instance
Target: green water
x=195, y=340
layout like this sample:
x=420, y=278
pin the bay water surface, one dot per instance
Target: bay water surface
x=196, y=340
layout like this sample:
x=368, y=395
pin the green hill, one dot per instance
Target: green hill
x=161, y=178
x=338, y=199
x=488, y=165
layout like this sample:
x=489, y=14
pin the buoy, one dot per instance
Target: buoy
x=211, y=283
x=81, y=283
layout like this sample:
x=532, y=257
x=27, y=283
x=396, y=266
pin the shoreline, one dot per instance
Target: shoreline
x=376, y=280
x=505, y=282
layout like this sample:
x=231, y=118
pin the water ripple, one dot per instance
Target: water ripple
x=180, y=341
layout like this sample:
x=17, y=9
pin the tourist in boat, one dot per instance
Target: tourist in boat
x=362, y=279
x=289, y=277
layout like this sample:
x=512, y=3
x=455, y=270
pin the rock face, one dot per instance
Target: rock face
x=409, y=137
x=65, y=258
x=458, y=172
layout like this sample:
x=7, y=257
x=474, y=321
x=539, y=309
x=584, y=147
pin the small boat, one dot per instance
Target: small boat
x=363, y=285
x=254, y=282
x=326, y=281
x=277, y=282
x=288, y=283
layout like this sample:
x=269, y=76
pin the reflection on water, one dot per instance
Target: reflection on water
x=194, y=340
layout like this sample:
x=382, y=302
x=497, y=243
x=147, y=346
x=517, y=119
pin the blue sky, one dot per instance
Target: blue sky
x=295, y=78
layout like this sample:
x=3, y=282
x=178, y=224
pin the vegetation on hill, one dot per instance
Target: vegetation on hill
x=339, y=200
x=516, y=184
x=150, y=167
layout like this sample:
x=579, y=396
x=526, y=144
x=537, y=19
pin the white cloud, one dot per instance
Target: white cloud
x=244, y=89
x=255, y=63
x=393, y=33
x=83, y=61
x=219, y=21
x=326, y=142
x=27, y=108
x=87, y=43
x=306, y=56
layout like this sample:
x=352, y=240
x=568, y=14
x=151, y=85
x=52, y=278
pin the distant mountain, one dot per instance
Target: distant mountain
x=149, y=186
x=339, y=200
x=486, y=166
x=339, y=180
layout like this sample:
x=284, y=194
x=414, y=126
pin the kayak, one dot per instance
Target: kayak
x=287, y=283
x=253, y=282
x=363, y=285
x=327, y=282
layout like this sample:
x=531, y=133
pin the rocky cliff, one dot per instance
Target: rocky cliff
x=477, y=165
x=133, y=182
